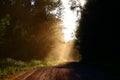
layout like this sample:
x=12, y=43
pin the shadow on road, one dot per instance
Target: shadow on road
x=66, y=71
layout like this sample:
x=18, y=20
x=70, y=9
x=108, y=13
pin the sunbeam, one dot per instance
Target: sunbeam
x=64, y=50
x=70, y=18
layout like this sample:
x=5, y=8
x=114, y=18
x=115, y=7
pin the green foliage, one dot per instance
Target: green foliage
x=10, y=66
x=4, y=22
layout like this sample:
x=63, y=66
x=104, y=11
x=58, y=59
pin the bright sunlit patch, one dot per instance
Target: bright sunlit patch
x=32, y=2
x=82, y=2
x=70, y=18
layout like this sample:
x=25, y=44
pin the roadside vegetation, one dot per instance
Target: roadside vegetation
x=10, y=66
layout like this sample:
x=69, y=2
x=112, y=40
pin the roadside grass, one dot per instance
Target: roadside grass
x=10, y=66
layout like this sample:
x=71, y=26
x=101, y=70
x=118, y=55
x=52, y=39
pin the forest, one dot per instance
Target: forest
x=24, y=27
x=31, y=36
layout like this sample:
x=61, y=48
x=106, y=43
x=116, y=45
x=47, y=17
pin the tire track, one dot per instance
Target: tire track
x=25, y=75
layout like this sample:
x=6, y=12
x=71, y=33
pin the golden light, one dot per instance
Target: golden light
x=64, y=50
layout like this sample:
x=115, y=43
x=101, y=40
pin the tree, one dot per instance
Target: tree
x=95, y=36
x=5, y=21
x=29, y=19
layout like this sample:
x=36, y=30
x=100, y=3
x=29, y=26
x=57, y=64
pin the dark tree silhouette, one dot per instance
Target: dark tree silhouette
x=95, y=36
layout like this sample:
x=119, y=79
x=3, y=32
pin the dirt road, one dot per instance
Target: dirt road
x=67, y=71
